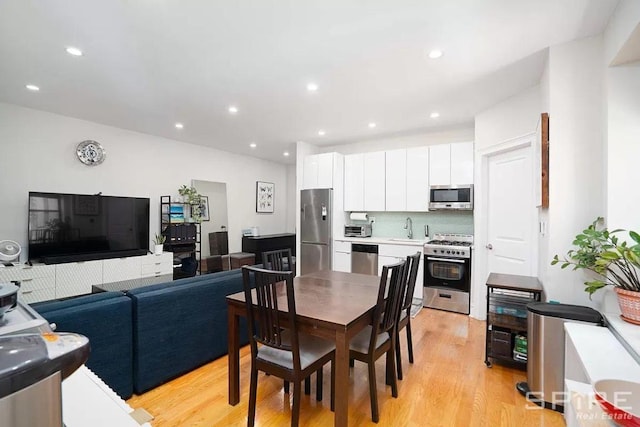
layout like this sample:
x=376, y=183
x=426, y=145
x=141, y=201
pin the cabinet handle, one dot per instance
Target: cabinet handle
x=158, y=263
x=27, y=292
x=27, y=280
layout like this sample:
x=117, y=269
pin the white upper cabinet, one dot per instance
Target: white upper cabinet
x=417, y=179
x=318, y=171
x=396, y=180
x=374, y=181
x=440, y=164
x=354, y=182
x=462, y=163
x=451, y=164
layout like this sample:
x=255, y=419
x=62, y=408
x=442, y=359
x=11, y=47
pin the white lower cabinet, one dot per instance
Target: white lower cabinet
x=77, y=278
x=391, y=254
x=342, y=256
x=42, y=282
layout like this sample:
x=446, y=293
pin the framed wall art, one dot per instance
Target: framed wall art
x=264, y=197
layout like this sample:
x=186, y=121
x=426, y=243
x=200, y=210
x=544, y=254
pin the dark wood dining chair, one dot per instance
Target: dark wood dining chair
x=278, y=260
x=404, y=320
x=281, y=260
x=380, y=337
x=276, y=346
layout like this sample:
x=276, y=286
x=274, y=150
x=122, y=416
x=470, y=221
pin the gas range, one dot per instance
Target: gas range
x=451, y=245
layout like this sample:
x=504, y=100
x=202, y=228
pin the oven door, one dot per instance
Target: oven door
x=449, y=273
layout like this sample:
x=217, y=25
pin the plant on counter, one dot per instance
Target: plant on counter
x=194, y=199
x=614, y=261
x=159, y=239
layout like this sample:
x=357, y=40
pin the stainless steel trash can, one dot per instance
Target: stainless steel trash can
x=545, y=352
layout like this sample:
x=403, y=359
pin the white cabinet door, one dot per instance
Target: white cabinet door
x=119, y=269
x=310, y=172
x=77, y=278
x=462, y=163
x=374, y=181
x=342, y=261
x=396, y=180
x=440, y=164
x=325, y=170
x=354, y=182
x=417, y=179
x=386, y=260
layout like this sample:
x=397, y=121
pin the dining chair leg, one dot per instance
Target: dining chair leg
x=352, y=363
x=391, y=364
x=373, y=391
x=409, y=341
x=319, y=385
x=333, y=386
x=295, y=411
x=253, y=388
x=286, y=386
x=307, y=385
x=398, y=356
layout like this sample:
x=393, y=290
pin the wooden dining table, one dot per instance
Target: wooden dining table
x=329, y=304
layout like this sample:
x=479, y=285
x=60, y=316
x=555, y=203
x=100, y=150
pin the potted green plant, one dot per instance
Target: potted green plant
x=193, y=199
x=158, y=243
x=612, y=261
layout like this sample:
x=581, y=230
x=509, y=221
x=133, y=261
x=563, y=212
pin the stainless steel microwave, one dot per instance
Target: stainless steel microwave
x=451, y=197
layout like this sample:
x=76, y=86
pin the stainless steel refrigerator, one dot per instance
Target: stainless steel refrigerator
x=315, y=230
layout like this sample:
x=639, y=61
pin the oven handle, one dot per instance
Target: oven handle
x=459, y=261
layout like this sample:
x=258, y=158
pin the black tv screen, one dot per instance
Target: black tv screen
x=79, y=227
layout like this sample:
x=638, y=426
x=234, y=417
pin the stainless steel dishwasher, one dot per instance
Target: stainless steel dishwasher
x=364, y=259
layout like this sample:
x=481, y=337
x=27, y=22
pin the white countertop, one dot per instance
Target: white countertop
x=384, y=240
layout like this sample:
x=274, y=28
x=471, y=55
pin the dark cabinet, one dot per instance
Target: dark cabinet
x=506, y=332
x=271, y=242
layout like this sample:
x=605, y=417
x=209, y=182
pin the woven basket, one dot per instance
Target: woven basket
x=629, y=302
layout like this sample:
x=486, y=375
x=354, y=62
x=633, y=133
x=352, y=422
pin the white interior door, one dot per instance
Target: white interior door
x=511, y=213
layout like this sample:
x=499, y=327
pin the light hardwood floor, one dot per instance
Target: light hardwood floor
x=448, y=385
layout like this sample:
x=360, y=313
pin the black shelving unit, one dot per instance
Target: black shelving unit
x=507, y=298
x=182, y=238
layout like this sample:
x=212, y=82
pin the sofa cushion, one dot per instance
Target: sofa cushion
x=106, y=319
x=181, y=325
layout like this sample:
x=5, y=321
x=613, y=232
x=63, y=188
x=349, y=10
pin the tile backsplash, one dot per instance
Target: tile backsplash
x=391, y=224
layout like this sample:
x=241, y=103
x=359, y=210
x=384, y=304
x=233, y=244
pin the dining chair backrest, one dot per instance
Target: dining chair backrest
x=413, y=262
x=264, y=312
x=278, y=260
x=390, y=293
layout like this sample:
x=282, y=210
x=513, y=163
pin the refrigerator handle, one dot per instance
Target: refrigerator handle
x=324, y=212
x=303, y=211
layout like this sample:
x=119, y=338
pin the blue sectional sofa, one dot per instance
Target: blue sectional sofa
x=150, y=335
x=107, y=320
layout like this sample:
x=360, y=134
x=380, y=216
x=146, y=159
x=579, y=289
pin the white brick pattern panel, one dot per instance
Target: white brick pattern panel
x=118, y=269
x=77, y=278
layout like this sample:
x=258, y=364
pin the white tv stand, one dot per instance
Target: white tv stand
x=593, y=353
x=40, y=282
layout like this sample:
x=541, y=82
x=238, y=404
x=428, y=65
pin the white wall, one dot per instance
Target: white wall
x=38, y=154
x=291, y=199
x=577, y=168
x=509, y=119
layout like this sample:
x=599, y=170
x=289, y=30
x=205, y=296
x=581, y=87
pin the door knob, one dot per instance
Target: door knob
x=489, y=246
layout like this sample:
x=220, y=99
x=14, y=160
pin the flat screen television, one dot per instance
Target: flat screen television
x=80, y=227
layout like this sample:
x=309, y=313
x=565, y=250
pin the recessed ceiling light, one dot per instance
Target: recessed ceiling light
x=312, y=87
x=434, y=115
x=233, y=109
x=253, y=145
x=321, y=133
x=33, y=88
x=286, y=154
x=74, y=51
x=372, y=125
x=435, y=54
x=179, y=126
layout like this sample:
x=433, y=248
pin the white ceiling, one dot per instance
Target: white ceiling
x=148, y=64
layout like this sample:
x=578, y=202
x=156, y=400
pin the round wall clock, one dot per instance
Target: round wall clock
x=91, y=153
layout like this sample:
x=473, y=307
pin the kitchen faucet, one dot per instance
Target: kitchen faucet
x=408, y=225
